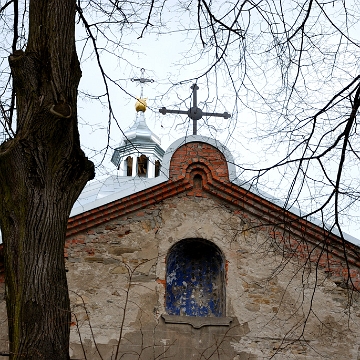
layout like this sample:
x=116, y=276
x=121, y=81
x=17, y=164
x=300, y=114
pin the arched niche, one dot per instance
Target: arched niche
x=195, y=279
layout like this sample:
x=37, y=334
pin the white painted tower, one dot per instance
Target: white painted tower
x=140, y=153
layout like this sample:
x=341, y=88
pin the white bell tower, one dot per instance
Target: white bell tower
x=140, y=153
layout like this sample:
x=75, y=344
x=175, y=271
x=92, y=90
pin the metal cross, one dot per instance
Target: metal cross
x=194, y=112
x=142, y=81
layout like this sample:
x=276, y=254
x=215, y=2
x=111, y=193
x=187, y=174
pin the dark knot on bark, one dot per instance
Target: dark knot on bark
x=62, y=110
x=16, y=55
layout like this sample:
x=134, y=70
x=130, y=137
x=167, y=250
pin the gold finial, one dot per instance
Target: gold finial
x=140, y=104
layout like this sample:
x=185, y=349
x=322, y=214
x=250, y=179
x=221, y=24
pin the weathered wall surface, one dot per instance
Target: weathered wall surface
x=281, y=306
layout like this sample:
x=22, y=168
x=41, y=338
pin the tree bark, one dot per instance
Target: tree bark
x=42, y=172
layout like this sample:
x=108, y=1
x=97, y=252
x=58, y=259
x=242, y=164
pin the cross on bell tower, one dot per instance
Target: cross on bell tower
x=194, y=113
x=142, y=81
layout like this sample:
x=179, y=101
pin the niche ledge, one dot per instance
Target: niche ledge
x=197, y=322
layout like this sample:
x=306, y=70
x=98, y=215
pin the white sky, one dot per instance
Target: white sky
x=159, y=58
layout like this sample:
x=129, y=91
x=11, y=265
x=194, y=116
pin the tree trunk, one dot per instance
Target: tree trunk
x=42, y=172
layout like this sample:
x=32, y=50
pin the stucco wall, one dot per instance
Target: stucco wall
x=280, y=306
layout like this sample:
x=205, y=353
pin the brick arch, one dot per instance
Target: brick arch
x=200, y=153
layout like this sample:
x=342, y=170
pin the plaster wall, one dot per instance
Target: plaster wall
x=282, y=307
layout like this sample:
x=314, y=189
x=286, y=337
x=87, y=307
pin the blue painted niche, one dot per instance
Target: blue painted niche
x=195, y=279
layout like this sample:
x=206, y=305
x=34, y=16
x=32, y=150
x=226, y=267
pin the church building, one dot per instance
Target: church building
x=175, y=258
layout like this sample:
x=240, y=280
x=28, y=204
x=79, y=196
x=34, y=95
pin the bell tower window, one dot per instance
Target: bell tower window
x=129, y=165
x=157, y=168
x=142, y=166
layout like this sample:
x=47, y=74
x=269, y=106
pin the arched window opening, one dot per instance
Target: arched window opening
x=157, y=168
x=197, y=181
x=142, y=165
x=195, y=279
x=129, y=165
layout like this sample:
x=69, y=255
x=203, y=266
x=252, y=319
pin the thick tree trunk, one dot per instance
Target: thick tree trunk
x=42, y=172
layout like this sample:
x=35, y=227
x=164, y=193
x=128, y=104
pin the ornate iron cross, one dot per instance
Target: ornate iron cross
x=142, y=81
x=194, y=112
